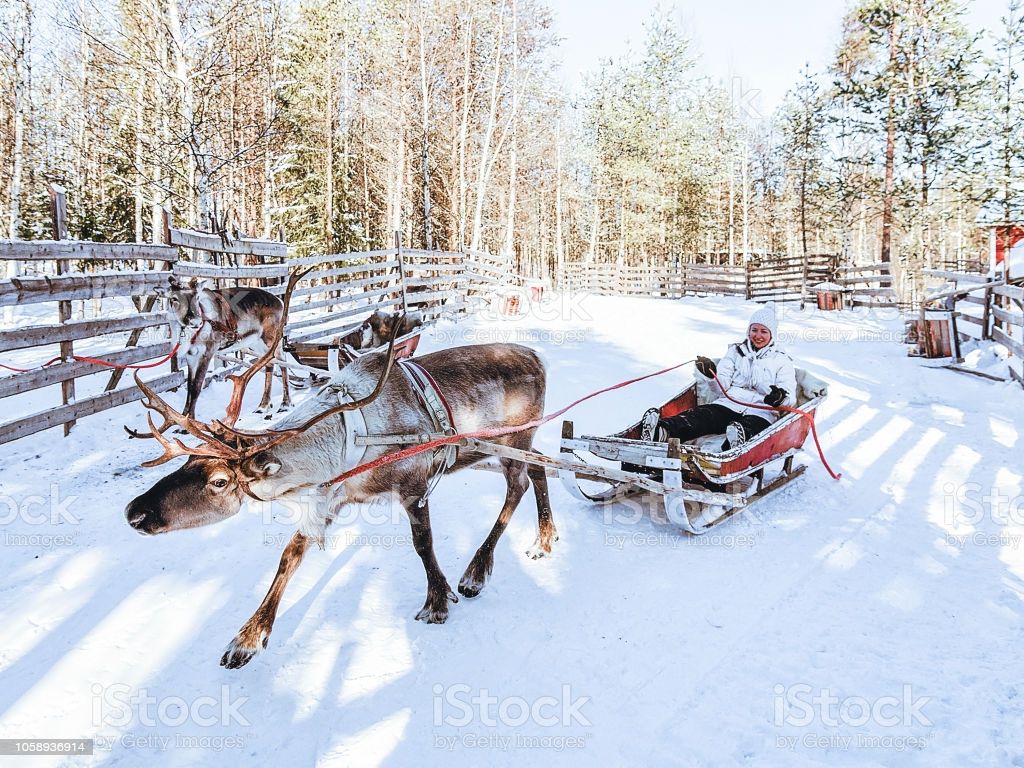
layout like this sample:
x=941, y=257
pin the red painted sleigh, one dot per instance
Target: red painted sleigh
x=701, y=485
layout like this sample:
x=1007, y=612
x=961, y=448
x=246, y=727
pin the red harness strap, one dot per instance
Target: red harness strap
x=404, y=453
x=787, y=409
x=105, y=363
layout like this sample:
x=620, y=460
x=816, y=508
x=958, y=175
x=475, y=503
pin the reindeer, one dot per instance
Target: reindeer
x=488, y=385
x=384, y=325
x=209, y=321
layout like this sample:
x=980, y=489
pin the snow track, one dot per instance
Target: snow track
x=896, y=591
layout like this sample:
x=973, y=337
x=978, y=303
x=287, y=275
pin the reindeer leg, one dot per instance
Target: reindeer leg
x=253, y=635
x=197, y=368
x=268, y=382
x=546, y=535
x=482, y=564
x=286, y=398
x=435, y=609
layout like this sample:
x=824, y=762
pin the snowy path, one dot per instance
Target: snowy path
x=631, y=643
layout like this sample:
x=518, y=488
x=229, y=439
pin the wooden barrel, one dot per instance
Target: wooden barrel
x=829, y=301
x=934, y=334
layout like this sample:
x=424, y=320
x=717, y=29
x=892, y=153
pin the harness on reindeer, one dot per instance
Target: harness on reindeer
x=434, y=403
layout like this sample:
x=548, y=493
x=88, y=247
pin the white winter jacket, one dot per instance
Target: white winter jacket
x=749, y=374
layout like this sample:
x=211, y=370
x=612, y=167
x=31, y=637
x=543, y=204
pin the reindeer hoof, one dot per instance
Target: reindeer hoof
x=436, y=611
x=237, y=654
x=430, y=616
x=541, y=548
x=474, y=579
x=469, y=587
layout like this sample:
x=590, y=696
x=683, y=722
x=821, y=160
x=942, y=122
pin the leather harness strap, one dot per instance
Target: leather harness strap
x=440, y=413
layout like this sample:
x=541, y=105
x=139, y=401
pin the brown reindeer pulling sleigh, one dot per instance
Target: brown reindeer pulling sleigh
x=488, y=385
x=351, y=443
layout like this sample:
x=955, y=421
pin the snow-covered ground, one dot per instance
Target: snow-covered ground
x=872, y=621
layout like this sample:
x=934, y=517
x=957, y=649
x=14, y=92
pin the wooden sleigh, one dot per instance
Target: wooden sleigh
x=700, y=484
x=333, y=355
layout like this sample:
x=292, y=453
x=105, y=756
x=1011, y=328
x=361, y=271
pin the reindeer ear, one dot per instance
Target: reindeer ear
x=193, y=283
x=262, y=466
x=174, y=283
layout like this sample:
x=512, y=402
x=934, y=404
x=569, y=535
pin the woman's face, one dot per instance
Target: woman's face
x=759, y=335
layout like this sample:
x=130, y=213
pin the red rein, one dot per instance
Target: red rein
x=391, y=458
x=104, y=363
x=787, y=409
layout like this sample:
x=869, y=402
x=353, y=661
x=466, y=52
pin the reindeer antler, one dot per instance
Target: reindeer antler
x=210, y=444
x=211, y=447
x=214, y=436
x=241, y=382
x=280, y=436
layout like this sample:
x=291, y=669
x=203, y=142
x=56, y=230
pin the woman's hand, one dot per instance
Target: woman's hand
x=776, y=396
x=706, y=367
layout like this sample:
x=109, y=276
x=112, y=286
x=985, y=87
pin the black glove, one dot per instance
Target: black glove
x=775, y=396
x=706, y=367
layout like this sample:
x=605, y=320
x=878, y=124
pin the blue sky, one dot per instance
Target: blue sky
x=763, y=43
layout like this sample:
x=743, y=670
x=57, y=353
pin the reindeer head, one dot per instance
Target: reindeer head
x=381, y=325
x=230, y=464
x=182, y=308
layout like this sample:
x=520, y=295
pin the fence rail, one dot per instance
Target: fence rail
x=978, y=308
x=775, y=277
x=330, y=301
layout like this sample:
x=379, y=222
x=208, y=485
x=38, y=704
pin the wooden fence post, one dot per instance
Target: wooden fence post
x=748, y=274
x=147, y=306
x=986, y=316
x=401, y=269
x=59, y=220
x=168, y=222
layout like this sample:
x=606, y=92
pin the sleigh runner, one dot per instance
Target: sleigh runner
x=701, y=485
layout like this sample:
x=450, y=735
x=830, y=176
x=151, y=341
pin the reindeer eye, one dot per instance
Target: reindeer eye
x=220, y=482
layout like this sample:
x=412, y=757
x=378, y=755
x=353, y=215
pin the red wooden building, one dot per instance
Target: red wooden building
x=1006, y=247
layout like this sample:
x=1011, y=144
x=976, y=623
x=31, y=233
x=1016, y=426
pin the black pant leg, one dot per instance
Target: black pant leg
x=709, y=419
x=753, y=424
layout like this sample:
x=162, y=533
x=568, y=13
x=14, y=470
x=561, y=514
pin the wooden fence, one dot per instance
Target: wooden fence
x=978, y=307
x=334, y=298
x=767, y=277
x=775, y=277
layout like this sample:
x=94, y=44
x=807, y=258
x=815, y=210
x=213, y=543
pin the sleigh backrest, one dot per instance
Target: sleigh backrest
x=809, y=387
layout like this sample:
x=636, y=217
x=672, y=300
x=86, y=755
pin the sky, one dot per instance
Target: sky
x=756, y=47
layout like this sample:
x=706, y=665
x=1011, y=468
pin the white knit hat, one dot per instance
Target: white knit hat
x=765, y=316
